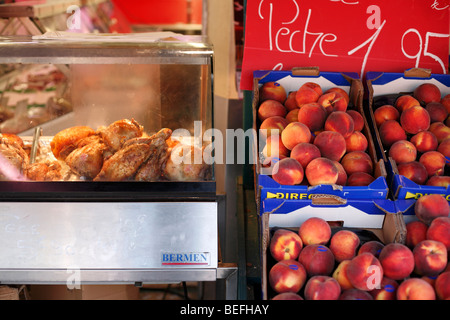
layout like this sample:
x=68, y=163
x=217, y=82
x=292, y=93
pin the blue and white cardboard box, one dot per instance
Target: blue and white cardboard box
x=384, y=88
x=354, y=213
x=267, y=188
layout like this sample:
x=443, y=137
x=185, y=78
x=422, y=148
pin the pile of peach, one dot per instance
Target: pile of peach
x=415, y=133
x=312, y=137
x=317, y=264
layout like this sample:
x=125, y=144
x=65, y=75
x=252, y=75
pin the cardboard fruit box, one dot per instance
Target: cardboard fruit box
x=266, y=187
x=385, y=89
x=391, y=230
x=354, y=213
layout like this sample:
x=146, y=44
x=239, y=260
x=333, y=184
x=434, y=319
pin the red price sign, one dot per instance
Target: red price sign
x=346, y=36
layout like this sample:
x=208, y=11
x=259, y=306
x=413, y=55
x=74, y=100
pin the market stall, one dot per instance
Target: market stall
x=118, y=189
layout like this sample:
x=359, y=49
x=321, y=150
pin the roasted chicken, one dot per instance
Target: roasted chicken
x=135, y=153
x=87, y=160
x=118, y=152
x=65, y=141
x=118, y=132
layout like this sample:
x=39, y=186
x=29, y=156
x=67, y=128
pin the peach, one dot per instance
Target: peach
x=384, y=113
x=285, y=245
x=439, y=181
x=287, y=296
x=440, y=130
x=341, y=122
x=359, y=179
x=295, y=133
x=415, y=119
x=272, y=91
x=358, y=119
x=340, y=274
x=434, y=162
x=321, y=171
x=373, y=246
x=305, y=152
x=437, y=111
x=288, y=171
x=431, y=206
x=444, y=148
x=355, y=294
x=424, y=141
x=446, y=102
x=342, y=175
x=287, y=276
x=313, y=115
x=271, y=108
x=387, y=290
x=403, y=151
x=439, y=230
x=356, y=141
x=416, y=231
x=317, y=260
x=331, y=145
x=357, y=161
x=414, y=171
x=430, y=258
x=291, y=103
x=333, y=101
x=292, y=116
x=322, y=288
x=391, y=131
x=307, y=93
x=365, y=272
x=427, y=92
x=341, y=91
x=397, y=261
x=315, y=230
x=274, y=147
x=415, y=289
x=442, y=286
x=343, y=245
x=405, y=102
x=273, y=125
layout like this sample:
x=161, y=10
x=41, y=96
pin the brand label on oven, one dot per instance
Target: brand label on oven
x=185, y=259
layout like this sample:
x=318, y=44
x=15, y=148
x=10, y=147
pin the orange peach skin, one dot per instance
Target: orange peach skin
x=365, y=272
x=315, y=230
x=415, y=289
x=285, y=245
x=321, y=171
x=343, y=245
x=287, y=276
x=322, y=288
x=397, y=261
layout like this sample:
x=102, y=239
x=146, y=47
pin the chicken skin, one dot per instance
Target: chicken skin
x=118, y=132
x=87, y=160
x=124, y=164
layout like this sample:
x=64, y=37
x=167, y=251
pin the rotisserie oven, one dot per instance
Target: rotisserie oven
x=107, y=158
